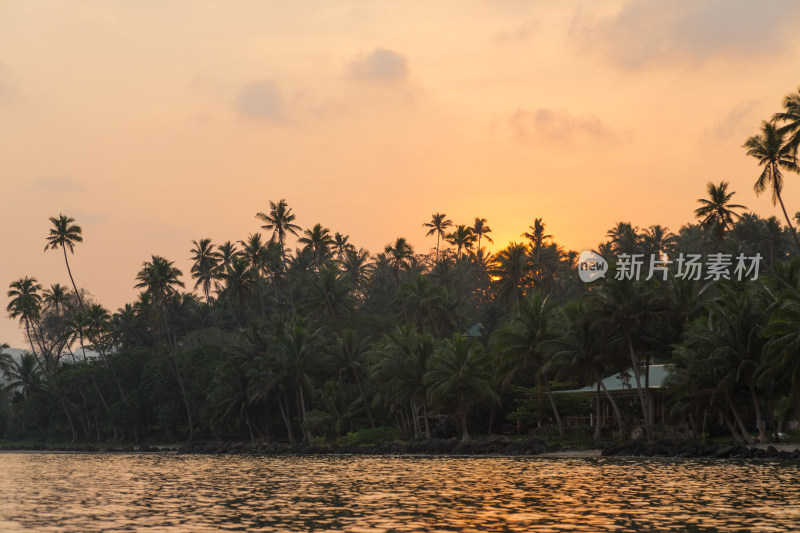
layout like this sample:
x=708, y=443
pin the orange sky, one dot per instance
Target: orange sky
x=155, y=123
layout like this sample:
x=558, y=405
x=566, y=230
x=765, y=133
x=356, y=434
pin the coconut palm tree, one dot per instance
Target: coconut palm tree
x=318, y=240
x=624, y=239
x=773, y=154
x=6, y=361
x=459, y=371
x=57, y=297
x=438, y=224
x=25, y=304
x=399, y=255
x=481, y=229
x=281, y=221
x=717, y=211
x=518, y=343
x=341, y=244
x=790, y=116
x=160, y=279
x=240, y=280
x=206, y=262
x=24, y=375
x=537, y=236
x=64, y=234
x=227, y=252
x=462, y=238
x=511, y=270
x=659, y=240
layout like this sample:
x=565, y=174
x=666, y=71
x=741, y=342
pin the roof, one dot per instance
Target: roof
x=477, y=330
x=625, y=382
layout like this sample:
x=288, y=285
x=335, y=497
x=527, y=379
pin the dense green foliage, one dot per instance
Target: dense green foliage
x=329, y=342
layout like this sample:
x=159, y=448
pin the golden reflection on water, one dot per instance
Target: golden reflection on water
x=86, y=493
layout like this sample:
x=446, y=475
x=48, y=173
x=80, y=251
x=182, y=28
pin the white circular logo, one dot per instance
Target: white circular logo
x=591, y=266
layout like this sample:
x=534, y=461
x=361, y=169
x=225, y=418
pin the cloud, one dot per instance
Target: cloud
x=557, y=126
x=261, y=100
x=734, y=125
x=382, y=65
x=58, y=185
x=518, y=34
x=647, y=32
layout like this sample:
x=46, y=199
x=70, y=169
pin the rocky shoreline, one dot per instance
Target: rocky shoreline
x=493, y=445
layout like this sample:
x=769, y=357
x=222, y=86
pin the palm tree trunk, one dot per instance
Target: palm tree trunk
x=555, y=410
x=789, y=222
x=762, y=430
x=746, y=434
x=285, y=415
x=642, y=398
x=617, y=412
x=47, y=375
x=598, y=422
x=69, y=271
x=462, y=411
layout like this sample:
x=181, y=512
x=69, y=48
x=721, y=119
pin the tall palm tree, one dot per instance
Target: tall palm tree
x=659, y=240
x=25, y=304
x=319, y=241
x=341, y=244
x=518, y=343
x=439, y=222
x=160, y=279
x=511, y=269
x=227, y=252
x=462, y=238
x=624, y=239
x=717, y=211
x=204, y=269
x=773, y=154
x=459, y=370
x=481, y=229
x=57, y=296
x=399, y=254
x=790, y=116
x=281, y=221
x=6, y=361
x=240, y=279
x=64, y=234
x=537, y=236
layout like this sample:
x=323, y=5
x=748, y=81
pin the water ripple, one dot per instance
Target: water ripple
x=88, y=493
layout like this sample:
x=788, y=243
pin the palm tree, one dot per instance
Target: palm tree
x=462, y=238
x=227, y=252
x=57, y=296
x=319, y=241
x=24, y=375
x=518, y=344
x=481, y=229
x=341, y=244
x=659, y=240
x=350, y=352
x=204, y=269
x=399, y=255
x=459, y=370
x=25, y=304
x=624, y=239
x=281, y=221
x=791, y=117
x=240, y=279
x=64, y=234
x=511, y=268
x=537, y=236
x=6, y=361
x=773, y=154
x=160, y=280
x=437, y=225
x=717, y=211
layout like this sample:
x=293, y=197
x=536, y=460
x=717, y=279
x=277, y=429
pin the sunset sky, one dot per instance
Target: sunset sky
x=155, y=123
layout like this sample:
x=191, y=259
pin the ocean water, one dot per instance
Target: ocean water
x=170, y=493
